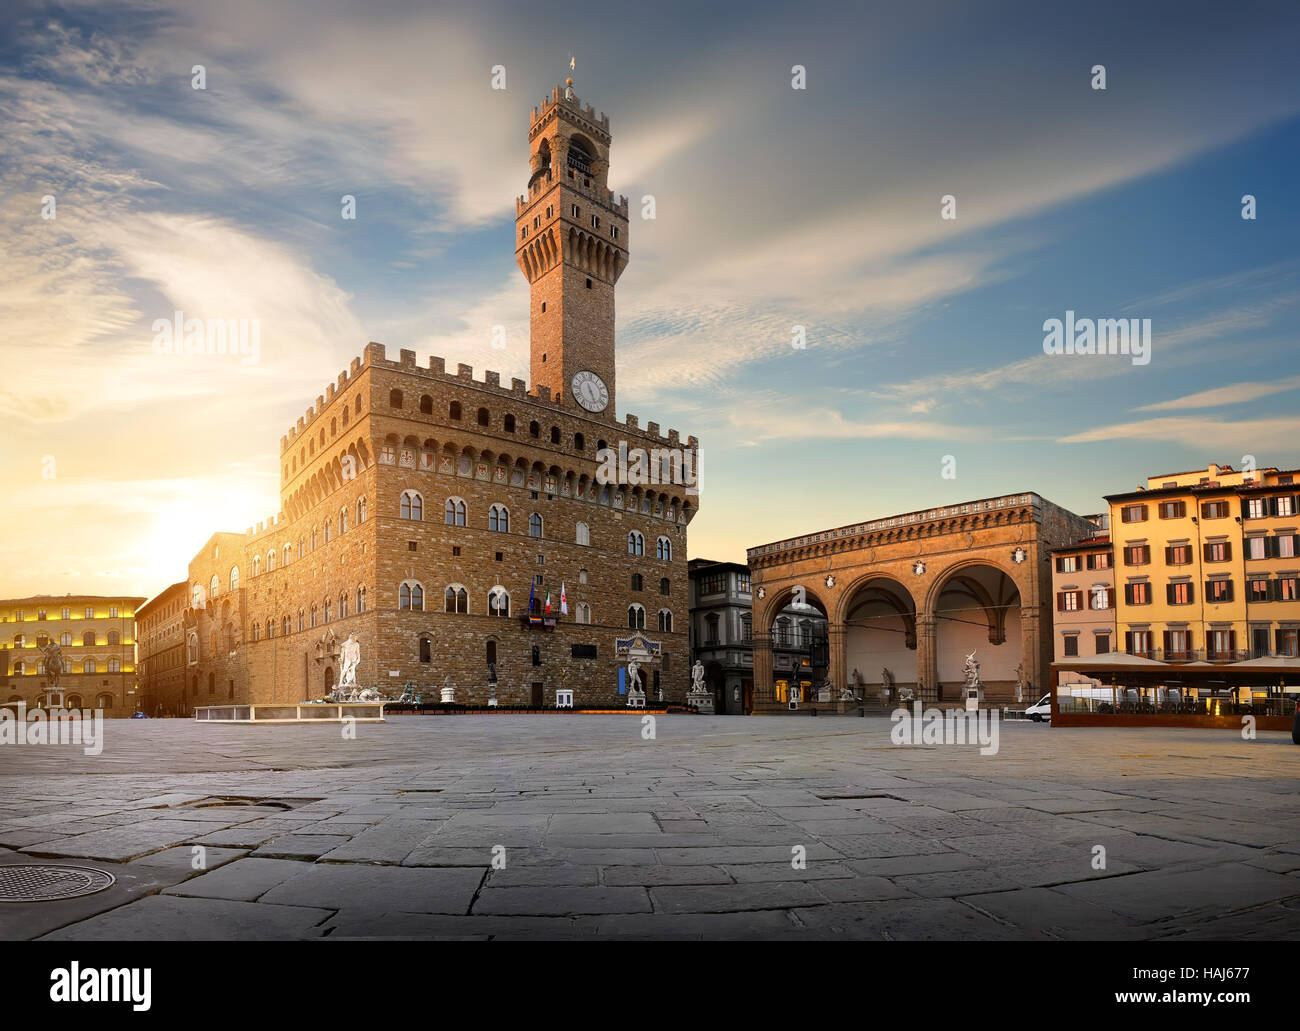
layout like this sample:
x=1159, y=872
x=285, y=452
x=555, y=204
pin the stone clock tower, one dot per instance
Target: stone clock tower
x=571, y=244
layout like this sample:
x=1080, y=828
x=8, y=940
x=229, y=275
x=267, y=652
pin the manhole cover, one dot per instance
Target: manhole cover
x=48, y=883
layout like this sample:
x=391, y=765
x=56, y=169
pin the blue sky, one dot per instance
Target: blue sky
x=775, y=207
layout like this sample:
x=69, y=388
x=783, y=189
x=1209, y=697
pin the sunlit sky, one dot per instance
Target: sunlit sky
x=775, y=207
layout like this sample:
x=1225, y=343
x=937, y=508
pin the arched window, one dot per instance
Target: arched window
x=86, y=667
x=664, y=549
x=636, y=617
x=491, y=652
x=286, y=625
x=20, y=668
x=509, y=424
x=537, y=656
x=361, y=510
x=325, y=610
x=343, y=606
x=664, y=586
x=534, y=429
x=555, y=434
x=115, y=665
x=410, y=596
x=456, y=599
x=411, y=505
x=483, y=417
x=325, y=529
x=270, y=628
x=288, y=553
x=535, y=525
x=583, y=534
x=104, y=701
x=499, y=518
x=302, y=623
x=257, y=564
x=426, y=650
x=426, y=404
x=87, y=639
x=313, y=538
x=114, y=638
x=582, y=613
x=361, y=600
x=637, y=583
x=635, y=544
x=665, y=621
x=65, y=640
x=343, y=520
x=270, y=560
x=498, y=601
x=214, y=586
x=234, y=578
x=579, y=442
x=394, y=399
x=454, y=512
x=453, y=410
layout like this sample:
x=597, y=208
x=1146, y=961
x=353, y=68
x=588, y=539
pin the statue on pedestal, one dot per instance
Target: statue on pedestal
x=350, y=654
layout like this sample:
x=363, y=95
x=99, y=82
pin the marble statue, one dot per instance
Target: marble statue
x=697, y=678
x=971, y=668
x=350, y=653
x=1020, y=683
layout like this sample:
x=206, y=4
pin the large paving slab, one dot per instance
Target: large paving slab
x=721, y=827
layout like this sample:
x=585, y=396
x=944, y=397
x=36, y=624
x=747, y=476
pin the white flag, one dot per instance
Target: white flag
x=564, y=600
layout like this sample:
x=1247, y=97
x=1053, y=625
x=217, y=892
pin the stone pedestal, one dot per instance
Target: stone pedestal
x=635, y=698
x=448, y=694
x=702, y=700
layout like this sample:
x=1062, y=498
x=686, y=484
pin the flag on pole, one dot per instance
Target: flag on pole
x=532, y=598
x=548, y=601
x=564, y=601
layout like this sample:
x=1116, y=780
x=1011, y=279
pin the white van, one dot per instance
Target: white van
x=1042, y=710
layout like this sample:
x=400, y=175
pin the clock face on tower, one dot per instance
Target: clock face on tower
x=589, y=390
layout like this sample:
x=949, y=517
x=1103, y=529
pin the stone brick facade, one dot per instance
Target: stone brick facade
x=411, y=495
x=160, y=652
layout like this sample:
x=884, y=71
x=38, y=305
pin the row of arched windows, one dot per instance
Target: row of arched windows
x=322, y=534
x=636, y=546
x=456, y=513
x=636, y=618
x=455, y=412
x=88, y=639
x=112, y=665
x=410, y=595
x=316, y=615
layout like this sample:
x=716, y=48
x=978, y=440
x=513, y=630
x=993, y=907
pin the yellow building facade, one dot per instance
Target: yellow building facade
x=96, y=637
x=1206, y=565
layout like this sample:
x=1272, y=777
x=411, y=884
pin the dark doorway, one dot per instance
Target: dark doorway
x=537, y=694
x=329, y=679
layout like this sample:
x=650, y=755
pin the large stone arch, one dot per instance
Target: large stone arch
x=975, y=606
x=877, y=619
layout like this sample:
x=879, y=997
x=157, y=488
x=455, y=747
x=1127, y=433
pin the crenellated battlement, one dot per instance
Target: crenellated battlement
x=375, y=356
x=598, y=122
x=543, y=184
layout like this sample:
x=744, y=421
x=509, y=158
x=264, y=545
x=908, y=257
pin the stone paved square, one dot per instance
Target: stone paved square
x=512, y=826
